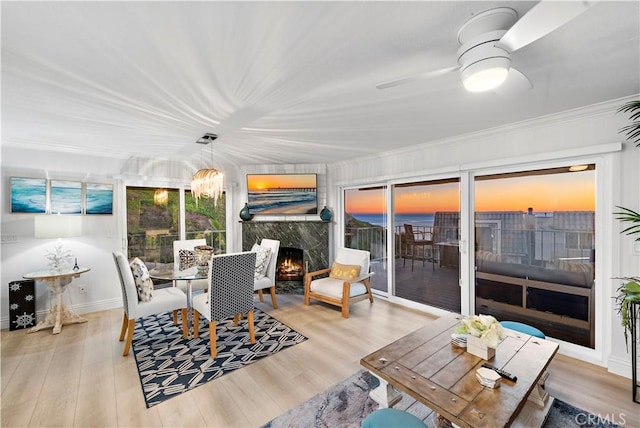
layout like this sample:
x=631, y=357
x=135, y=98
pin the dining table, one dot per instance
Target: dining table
x=172, y=273
x=428, y=366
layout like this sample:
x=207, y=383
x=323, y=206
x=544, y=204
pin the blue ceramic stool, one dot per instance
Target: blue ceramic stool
x=392, y=418
x=523, y=328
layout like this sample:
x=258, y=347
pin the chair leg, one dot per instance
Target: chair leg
x=346, y=288
x=175, y=317
x=127, y=344
x=307, y=290
x=212, y=338
x=196, y=323
x=236, y=318
x=260, y=296
x=273, y=297
x=252, y=332
x=123, y=330
x=185, y=327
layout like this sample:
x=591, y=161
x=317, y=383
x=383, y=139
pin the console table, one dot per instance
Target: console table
x=57, y=282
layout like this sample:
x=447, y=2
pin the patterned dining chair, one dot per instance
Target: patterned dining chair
x=231, y=278
x=161, y=300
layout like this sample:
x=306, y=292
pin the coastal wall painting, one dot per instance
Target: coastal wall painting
x=99, y=198
x=66, y=197
x=282, y=194
x=28, y=195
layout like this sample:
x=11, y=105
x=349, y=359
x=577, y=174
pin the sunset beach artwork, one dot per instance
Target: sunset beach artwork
x=282, y=194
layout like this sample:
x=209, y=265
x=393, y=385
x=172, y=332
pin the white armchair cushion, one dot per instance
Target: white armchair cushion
x=348, y=256
x=143, y=282
x=333, y=287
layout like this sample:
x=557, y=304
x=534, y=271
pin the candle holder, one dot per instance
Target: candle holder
x=203, y=255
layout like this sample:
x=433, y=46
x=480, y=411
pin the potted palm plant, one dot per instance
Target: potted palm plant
x=629, y=291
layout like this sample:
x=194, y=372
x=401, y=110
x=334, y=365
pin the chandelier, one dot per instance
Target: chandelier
x=161, y=197
x=207, y=182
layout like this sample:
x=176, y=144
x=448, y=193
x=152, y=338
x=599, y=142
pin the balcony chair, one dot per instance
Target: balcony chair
x=269, y=278
x=411, y=243
x=162, y=300
x=231, y=279
x=348, y=281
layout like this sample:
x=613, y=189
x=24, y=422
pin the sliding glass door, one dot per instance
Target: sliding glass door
x=535, y=249
x=427, y=233
x=365, y=219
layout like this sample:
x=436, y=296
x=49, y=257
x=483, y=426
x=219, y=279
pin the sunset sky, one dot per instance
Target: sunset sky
x=270, y=181
x=544, y=193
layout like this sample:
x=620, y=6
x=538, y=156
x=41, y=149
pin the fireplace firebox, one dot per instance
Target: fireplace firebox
x=290, y=264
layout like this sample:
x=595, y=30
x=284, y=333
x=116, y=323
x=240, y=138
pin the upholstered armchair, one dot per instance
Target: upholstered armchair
x=348, y=281
x=159, y=301
x=230, y=293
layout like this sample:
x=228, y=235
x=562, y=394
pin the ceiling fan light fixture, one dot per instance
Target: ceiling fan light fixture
x=485, y=75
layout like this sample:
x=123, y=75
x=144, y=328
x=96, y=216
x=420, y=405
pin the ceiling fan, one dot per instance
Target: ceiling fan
x=489, y=38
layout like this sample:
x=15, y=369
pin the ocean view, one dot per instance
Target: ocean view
x=424, y=219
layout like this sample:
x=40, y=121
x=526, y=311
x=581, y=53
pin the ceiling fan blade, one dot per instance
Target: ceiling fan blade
x=414, y=77
x=514, y=86
x=542, y=19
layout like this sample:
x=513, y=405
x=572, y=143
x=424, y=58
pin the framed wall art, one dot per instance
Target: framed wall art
x=66, y=197
x=28, y=195
x=282, y=194
x=99, y=198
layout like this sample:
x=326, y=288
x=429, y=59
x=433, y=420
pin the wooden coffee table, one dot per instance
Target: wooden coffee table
x=425, y=365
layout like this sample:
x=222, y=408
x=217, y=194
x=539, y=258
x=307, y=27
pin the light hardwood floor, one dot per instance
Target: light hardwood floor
x=79, y=377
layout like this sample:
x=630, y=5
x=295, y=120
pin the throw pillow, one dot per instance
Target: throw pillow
x=344, y=272
x=263, y=255
x=186, y=259
x=144, y=285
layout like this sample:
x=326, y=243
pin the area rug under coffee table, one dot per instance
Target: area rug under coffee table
x=347, y=403
x=169, y=365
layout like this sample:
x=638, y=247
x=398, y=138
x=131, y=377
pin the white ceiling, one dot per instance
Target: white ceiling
x=285, y=82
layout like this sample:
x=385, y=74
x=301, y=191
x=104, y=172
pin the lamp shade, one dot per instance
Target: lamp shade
x=57, y=226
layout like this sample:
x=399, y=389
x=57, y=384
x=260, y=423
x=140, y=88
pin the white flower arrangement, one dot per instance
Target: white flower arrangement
x=485, y=327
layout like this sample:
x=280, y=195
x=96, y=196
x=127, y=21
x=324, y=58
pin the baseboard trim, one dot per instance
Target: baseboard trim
x=82, y=308
x=619, y=366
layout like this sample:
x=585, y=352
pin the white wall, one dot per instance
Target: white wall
x=570, y=135
x=562, y=134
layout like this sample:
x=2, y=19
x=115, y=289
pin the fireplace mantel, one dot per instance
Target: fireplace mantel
x=310, y=236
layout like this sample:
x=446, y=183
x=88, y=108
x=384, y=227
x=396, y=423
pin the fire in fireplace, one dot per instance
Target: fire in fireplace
x=290, y=264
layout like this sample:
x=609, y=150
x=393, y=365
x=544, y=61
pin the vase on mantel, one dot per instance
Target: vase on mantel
x=477, y=347
x=325, y=214
x=245, y=214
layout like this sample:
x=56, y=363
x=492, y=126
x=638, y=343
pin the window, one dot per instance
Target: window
x=535, y=252
x=154, y=218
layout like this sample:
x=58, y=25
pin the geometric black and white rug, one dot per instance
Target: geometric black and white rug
x=169, y=365
x=347, y=403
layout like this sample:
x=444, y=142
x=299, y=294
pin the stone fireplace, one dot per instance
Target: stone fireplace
x=290, y=264
x=311, y=237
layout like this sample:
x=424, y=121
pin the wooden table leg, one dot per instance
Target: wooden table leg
x=385, y=395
